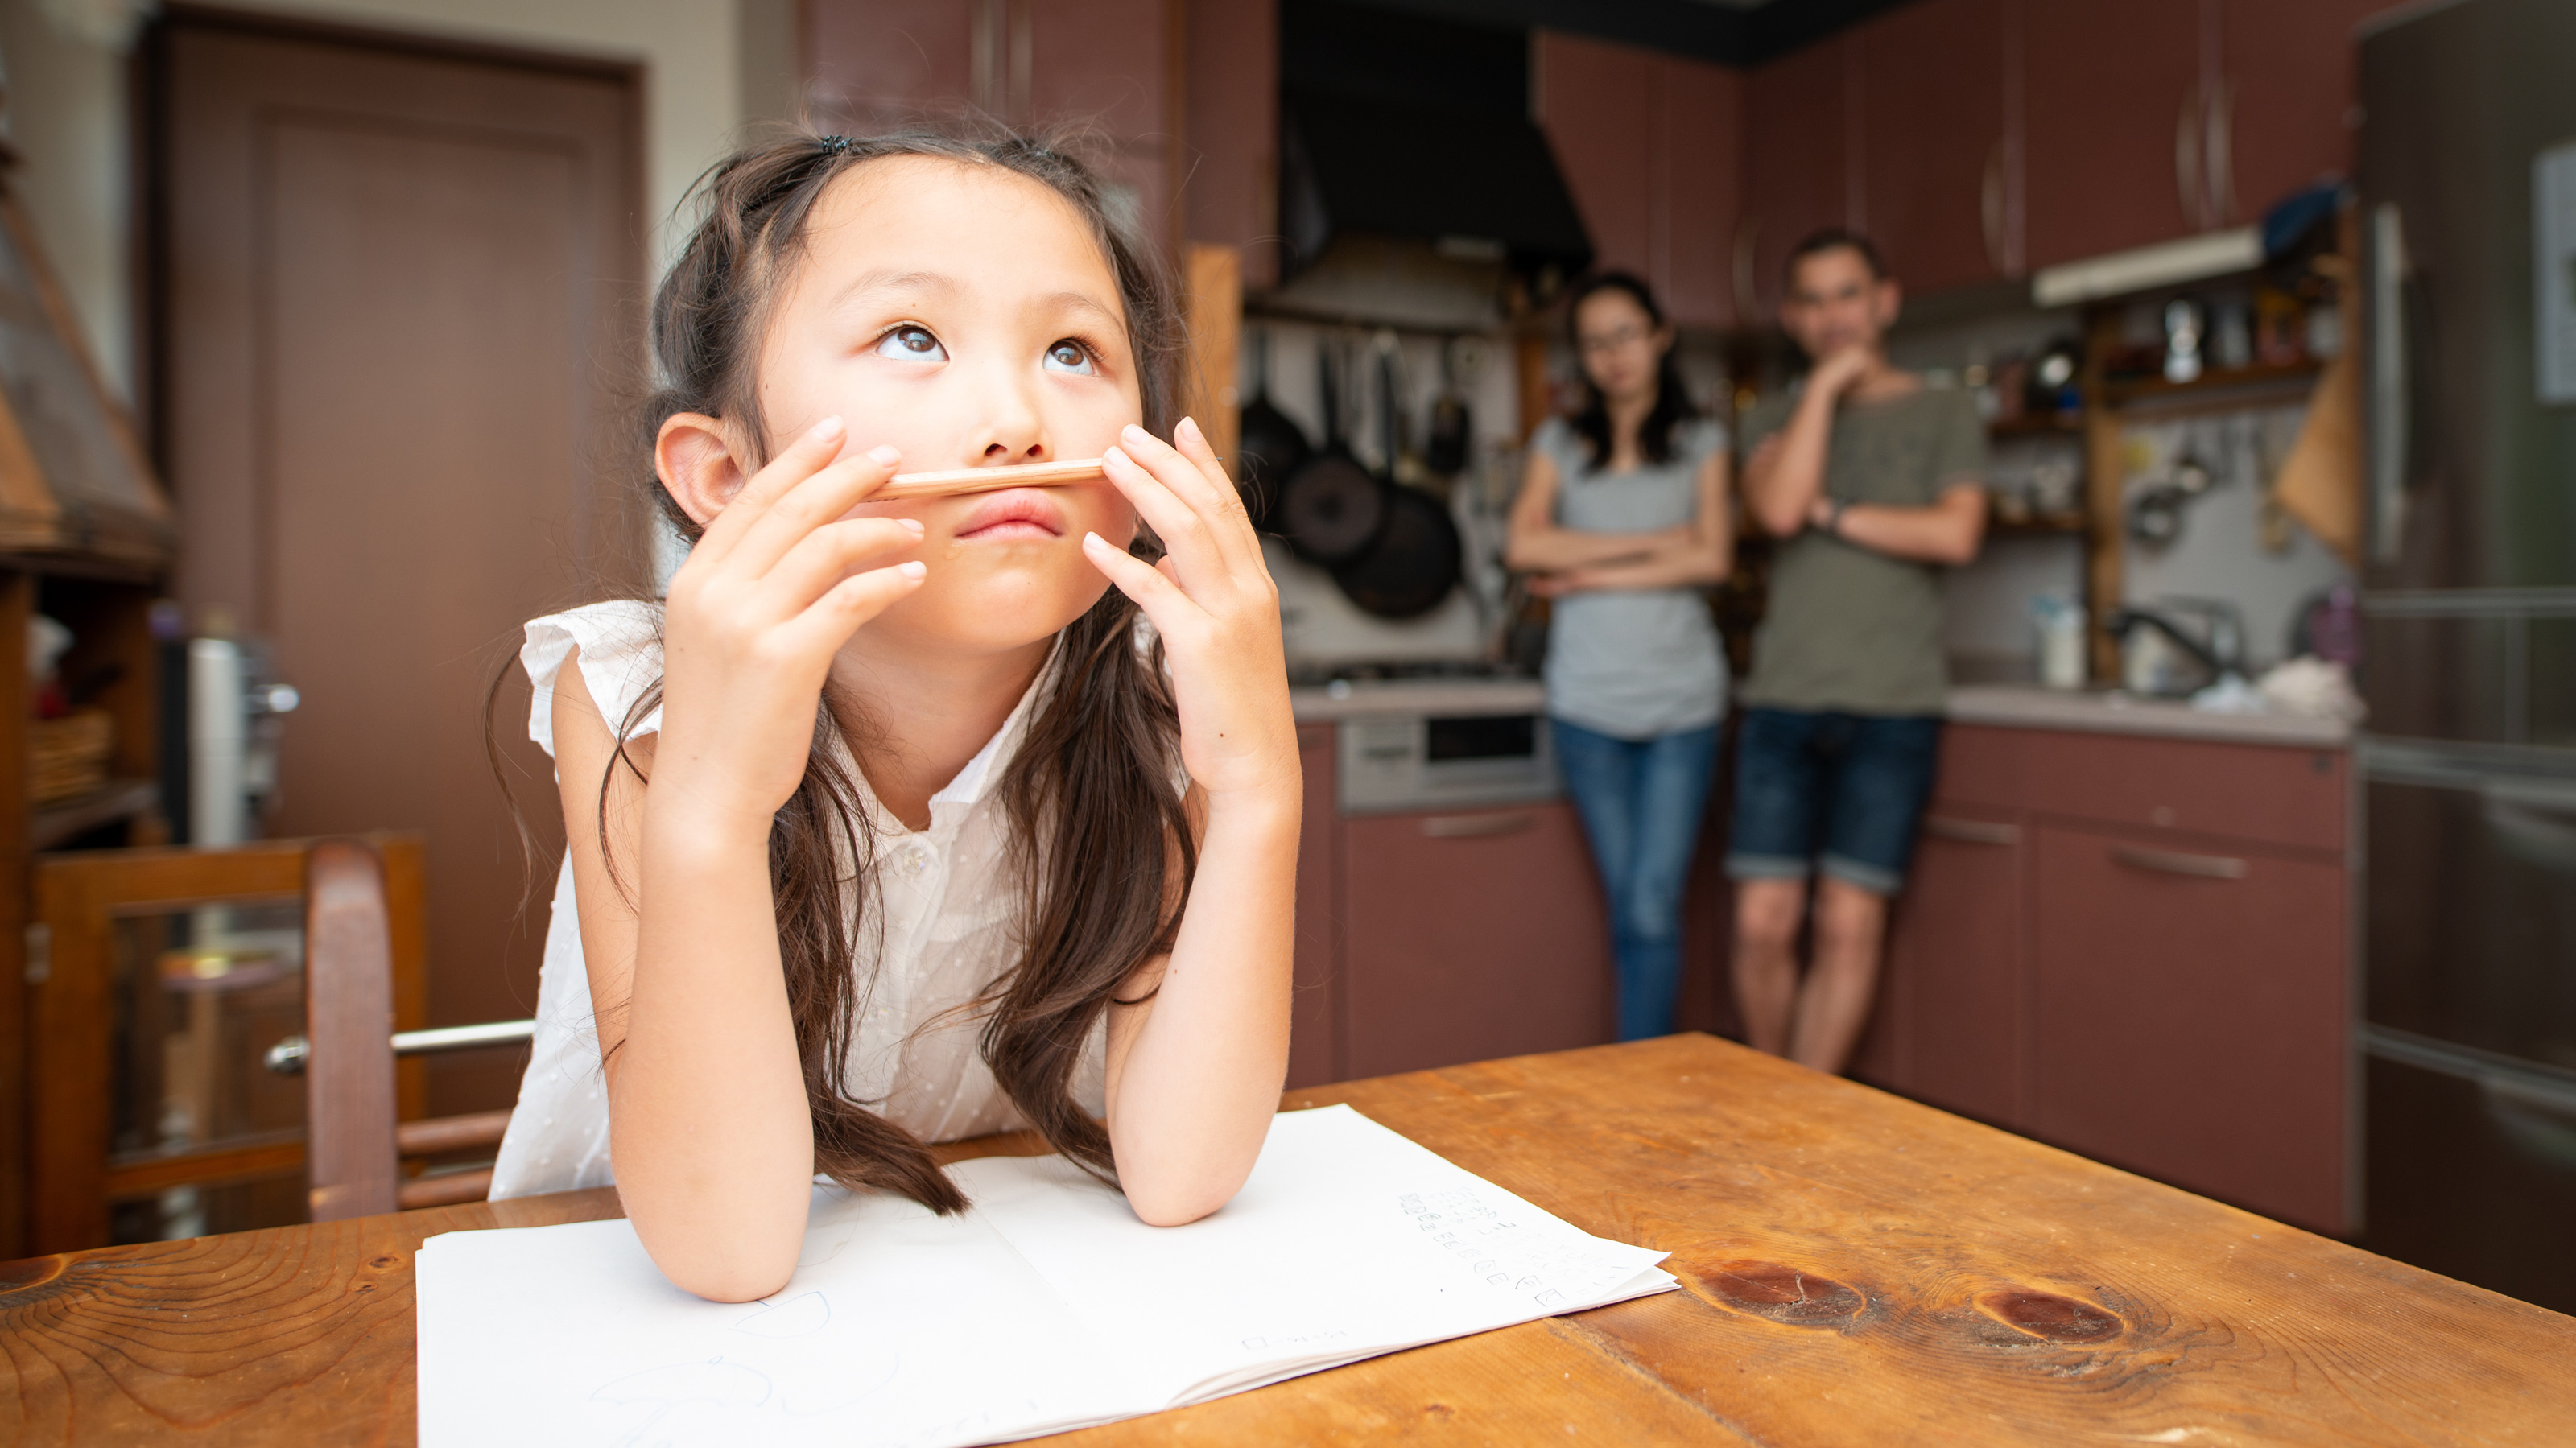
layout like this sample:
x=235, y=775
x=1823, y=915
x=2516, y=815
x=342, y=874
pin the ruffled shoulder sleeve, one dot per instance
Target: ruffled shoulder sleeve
x=621, y=658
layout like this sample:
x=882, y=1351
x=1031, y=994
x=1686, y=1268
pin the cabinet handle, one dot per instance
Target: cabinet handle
x=2195, y=212
x=2173, y=862
x=1747, y=305
x=1971, y=832
x=1990, y=209
x=2220, y=148
x=1475, y=826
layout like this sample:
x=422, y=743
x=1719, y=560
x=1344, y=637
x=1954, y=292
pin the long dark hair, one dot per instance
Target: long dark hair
x=1672, y=398
x=1099, y=841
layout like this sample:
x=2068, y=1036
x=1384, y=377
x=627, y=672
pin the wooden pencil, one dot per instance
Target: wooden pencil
x=985, y=480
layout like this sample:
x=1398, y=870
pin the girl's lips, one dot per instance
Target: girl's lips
x=1014, y=513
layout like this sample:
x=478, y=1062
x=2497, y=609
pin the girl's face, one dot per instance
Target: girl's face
x=1622, y=347
x=966, y=316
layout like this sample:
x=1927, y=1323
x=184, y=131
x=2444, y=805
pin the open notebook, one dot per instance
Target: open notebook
x=1047, y=1307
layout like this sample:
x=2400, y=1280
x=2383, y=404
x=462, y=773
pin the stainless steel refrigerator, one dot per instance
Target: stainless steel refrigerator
x=2468, y=219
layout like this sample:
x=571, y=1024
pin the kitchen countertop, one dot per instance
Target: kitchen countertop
x=1342, y=700
x=2021, y=706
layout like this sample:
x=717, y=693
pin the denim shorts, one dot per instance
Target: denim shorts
x=1832, y=791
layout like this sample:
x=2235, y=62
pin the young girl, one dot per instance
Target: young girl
x=895, y=824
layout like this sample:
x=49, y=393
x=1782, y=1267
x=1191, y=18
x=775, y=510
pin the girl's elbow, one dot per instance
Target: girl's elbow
x=731, y=1280
x=1179, y=1203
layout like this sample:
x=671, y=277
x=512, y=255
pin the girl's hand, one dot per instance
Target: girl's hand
x=1212, y=600
x=767, y=597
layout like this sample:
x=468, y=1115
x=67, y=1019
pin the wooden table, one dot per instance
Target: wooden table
x=1859, y=1270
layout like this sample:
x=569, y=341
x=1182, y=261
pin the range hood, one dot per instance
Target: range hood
x=1449, y=198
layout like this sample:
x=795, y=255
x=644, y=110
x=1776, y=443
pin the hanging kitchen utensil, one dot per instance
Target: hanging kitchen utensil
x=1445, y=453
x=1331, y=509
x=1414, y=561
x=1269, y=444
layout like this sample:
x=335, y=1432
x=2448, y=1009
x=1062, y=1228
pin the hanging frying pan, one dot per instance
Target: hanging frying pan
x=1269, y=443
x=1414, y=560
x=1330, y=508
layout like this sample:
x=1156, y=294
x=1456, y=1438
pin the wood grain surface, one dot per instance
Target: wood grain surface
x=1859, y=1269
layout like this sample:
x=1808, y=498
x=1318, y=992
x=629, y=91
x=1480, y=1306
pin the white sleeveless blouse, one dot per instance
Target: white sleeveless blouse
x=937, y=930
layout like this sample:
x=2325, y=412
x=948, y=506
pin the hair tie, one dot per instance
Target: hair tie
x=836, y=145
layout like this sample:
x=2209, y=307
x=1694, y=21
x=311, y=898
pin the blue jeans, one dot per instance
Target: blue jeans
x=1641, y=801
x=1830, y=790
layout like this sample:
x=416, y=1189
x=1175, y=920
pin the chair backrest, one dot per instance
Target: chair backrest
x=352, y=1164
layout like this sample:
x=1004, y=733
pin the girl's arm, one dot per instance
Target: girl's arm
x=708, y=1120
x=1533, y=543
x=1702, y=553
x=1197, y=1064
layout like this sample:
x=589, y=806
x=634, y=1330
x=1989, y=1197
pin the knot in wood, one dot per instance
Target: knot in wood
x=2049, y=1316
x=1779, y=1292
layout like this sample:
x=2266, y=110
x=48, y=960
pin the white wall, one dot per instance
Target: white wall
x=707, y=68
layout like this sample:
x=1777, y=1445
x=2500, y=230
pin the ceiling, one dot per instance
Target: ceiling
x=1730, y=32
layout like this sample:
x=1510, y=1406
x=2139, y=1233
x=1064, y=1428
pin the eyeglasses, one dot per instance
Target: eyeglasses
x=1611, y=341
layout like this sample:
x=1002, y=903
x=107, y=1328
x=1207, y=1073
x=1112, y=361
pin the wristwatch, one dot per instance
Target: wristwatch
x=1833, y=524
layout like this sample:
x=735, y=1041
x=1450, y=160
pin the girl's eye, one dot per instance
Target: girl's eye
x=1070, y=356
x=913, y=344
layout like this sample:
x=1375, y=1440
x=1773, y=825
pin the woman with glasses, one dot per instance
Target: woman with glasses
x=1622, y=520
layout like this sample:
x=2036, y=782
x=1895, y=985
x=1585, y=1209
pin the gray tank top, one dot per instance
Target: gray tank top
x=1633, y=663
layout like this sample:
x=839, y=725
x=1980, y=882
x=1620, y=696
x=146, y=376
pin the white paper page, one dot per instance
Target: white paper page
x=1347, y=1241
x=899, y=1328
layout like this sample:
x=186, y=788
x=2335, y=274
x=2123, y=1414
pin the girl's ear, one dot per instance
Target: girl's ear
x=694, y=456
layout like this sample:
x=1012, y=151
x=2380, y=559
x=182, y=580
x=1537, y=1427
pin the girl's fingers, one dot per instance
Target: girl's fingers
x=1191, y=471
x=802, y=459
x=828, y=623
x=1190, y=536
x=1159, y=596
x=811, y=502
x=823, y=558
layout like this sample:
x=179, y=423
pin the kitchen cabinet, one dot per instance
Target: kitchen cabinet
x=2114, y=92
x=2136, y=948
x=1951, y=1003
x=1313, y=1048
x=2286, y=104
x=1470, y=935
x=1111, y=63
x=1231, y=129
x=1795, y=159
x=1935, y=154
x=1650, y=147
x=2191, y=1016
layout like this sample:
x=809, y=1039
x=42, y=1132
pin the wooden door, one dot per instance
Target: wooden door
x=1934, y=152
x=2287, y=113
x=1796, y=166
x=2112, y=117
x=1472, y=935
x=1949, y=1026
x=2193, y=1017
x=400, y=330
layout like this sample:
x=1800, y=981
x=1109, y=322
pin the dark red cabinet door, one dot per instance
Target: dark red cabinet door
x=1932, y=152
x=1313, y=1050
x=1795, y=179
x=1702, y=163
x=1598, y=104
x=2192, y=1018
x=2111, y=87
x=2286, y=108
x=1469, y=936
x=1948, y=1030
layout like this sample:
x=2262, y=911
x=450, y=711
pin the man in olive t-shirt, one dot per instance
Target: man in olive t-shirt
x=1872, y=482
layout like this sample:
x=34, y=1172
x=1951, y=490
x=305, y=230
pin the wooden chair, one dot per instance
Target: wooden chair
x=354, y=1144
